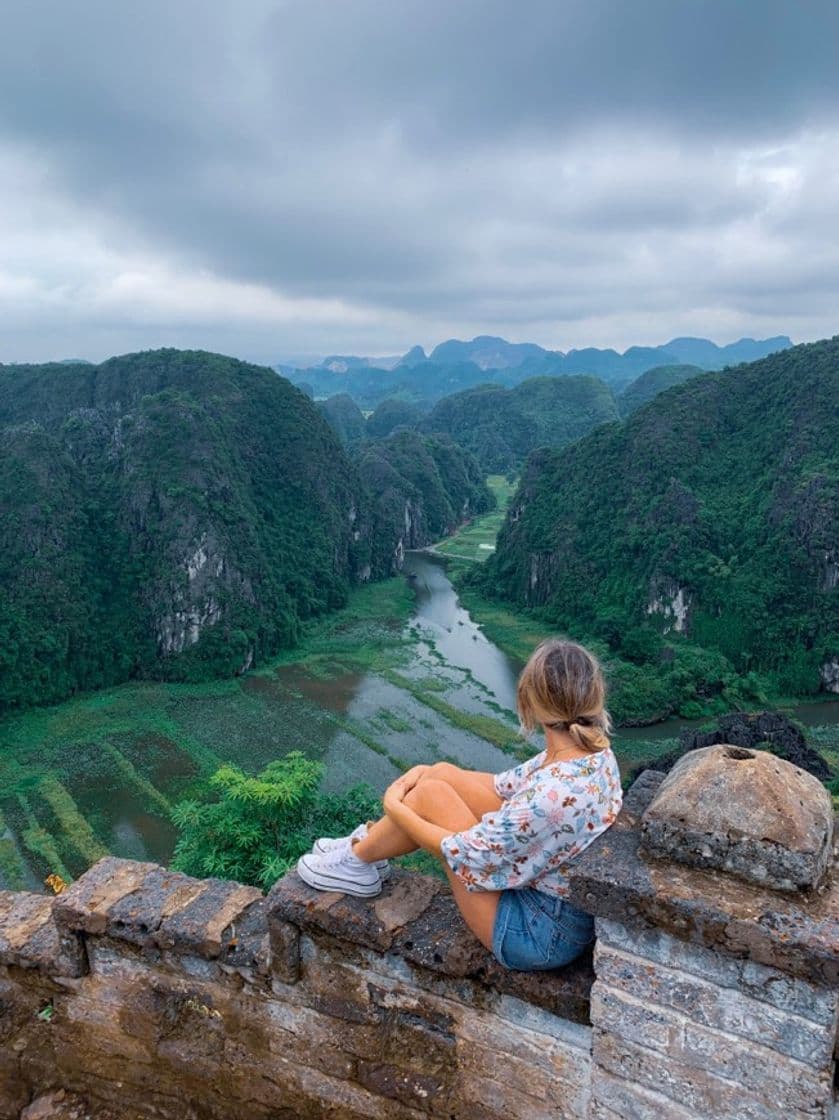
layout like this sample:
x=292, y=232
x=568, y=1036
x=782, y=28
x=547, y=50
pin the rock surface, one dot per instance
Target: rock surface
x=775, y=730
x=797, y=933
x=745, y=812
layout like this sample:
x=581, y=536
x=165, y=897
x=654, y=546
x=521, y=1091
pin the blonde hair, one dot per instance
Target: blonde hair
x=562, y=686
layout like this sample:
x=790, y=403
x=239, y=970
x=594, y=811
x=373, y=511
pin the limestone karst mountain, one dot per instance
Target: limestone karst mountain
x=179, y=514
x=713, y=512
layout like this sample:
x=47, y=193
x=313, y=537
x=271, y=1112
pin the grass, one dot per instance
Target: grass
x=159, y=739
x=40, y=843
x=516, y=633
x=475, y=541
x=75, y=829
x=500, y=734
x=11, y=866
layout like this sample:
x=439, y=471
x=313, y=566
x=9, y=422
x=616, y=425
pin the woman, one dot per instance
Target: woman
x=506, y=840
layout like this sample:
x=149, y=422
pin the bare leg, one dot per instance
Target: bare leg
x=473, y=787
x=435, y=801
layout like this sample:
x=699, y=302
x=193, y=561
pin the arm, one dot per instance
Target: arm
x=425, y=834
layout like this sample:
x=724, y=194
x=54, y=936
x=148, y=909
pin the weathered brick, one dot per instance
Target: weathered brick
x=285, y=949
x=200, y=926
x=499, y=1097
x=755, y=1068
x=30, y=938
x=396, y=1083
x=86, y=905
x=711, y=1096
x=715, y=1007
x=797, y=934
x=769, y=985
x=613, y=1097
x=537, y=1019
x=528, y=1068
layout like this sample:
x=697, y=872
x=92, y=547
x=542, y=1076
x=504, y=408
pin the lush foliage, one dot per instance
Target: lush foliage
x=721, y=497
x=178, y=514
x=424, y=487
x=651, y=383
x=391, y=414
x=254, y=828
x=501, y=426
x=170, y=513
x=345, y=418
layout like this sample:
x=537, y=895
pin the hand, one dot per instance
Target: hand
x=397, y=791
x=412, y=776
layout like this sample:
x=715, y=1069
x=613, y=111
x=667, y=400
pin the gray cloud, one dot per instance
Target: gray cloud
x=265, y=177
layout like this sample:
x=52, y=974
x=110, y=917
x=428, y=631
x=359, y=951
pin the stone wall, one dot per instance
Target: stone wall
x=150, y=994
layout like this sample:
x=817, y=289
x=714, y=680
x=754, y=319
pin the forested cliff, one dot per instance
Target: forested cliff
x=712, y=512
x=178, y=514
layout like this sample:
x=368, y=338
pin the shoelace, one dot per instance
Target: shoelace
x=336, y=855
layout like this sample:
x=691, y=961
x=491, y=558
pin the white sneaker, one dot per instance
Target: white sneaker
x=340, y=870
x=329, y=843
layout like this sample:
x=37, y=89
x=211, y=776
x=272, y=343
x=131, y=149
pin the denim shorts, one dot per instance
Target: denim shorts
x=535, y=930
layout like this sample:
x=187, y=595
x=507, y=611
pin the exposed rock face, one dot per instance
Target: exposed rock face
x=751, y=729
x=420, y=489
x=671, y=601
x=746, y=812
x=830, y=675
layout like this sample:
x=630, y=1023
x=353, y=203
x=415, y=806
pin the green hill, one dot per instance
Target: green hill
x=166, y=514
x=391, y=414
x=710, y=515
x=651, y=383
x=178, y=515
x=344, y=417
x=425, y=486
x=501, y=426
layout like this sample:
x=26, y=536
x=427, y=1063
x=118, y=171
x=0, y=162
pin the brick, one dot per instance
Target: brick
x=755, y=1068
x=86, y=905
x=499, y=1097
x=708, y=1005
x=798, y=934
x=284, y=939
x=201, y=925
x=746, y=812
x=613, y=1097
x=768, y=985
x=30, y=938
x=537, y=1019
x=411, y=1088
x=711, y=1096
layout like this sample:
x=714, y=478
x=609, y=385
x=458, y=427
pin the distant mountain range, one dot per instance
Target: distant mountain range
x=456, y=365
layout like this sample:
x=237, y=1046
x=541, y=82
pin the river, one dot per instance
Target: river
x=447, y=694
x=461, y=645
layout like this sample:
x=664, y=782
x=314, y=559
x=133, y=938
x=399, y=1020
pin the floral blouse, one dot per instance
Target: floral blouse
x=548, y=815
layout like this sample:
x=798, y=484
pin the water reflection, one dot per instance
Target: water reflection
x=460, y=641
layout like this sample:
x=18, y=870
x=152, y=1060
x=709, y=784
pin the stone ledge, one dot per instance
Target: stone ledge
x=152, y=908
x=797, y=934
x=416, y=919
x=30, y=938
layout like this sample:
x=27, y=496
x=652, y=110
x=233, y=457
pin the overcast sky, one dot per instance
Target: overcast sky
x=278, y=177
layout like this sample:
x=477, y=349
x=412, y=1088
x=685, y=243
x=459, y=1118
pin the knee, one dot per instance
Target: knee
x=426, y=793
x=441, y=772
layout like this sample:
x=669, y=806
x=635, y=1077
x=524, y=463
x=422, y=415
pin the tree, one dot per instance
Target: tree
x=254, y=828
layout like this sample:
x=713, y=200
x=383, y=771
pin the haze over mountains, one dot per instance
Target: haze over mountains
x=456, y=365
